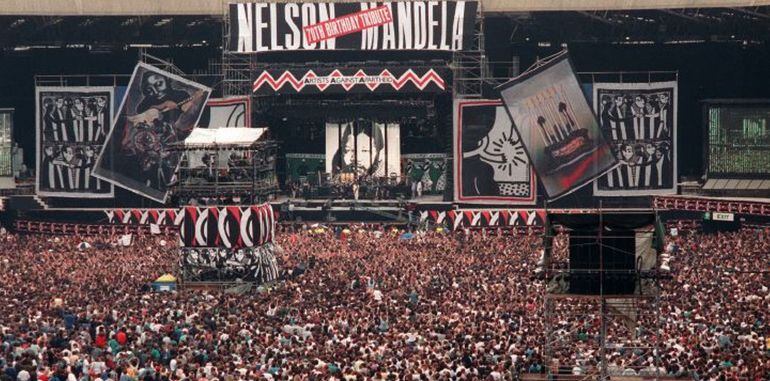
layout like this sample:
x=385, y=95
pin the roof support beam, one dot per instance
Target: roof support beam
x=217, y=7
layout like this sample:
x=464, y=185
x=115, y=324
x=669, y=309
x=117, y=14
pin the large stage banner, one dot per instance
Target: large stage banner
x=490, y=164
x=6, y=148
x=639, y=119
x=220, y=113
x=260, y=27
x=226, y=112
x=72, y=126
x=304, y=165
x=363, y=147
x=352, y=80
x=557, y=126
x=429, y=168
x=159, y=109
x=231, y=227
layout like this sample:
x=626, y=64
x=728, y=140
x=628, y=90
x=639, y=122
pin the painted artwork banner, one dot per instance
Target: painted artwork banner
x=72, y=126
x=639, y=120
x=557, y=126
x=219, y=113
x=159, y=109
x=226, y=112
x=259, y=27
x=490, y=163
x=363, y=148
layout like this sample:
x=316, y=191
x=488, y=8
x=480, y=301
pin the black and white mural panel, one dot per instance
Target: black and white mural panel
x=639, y=121
x=72, y=125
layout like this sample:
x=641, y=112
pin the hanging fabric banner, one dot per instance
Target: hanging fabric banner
x=639, y=120
x=557, y=126
x=72, y=125
x=260, y=27
x=159, y=109
x=330, y=80
x=226, y=112
x=363, y=148
x=490, y=164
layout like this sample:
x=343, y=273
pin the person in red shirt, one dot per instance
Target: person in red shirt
x=121, y=338
x=101, y=340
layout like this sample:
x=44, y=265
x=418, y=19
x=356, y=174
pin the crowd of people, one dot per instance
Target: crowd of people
x=364, y=304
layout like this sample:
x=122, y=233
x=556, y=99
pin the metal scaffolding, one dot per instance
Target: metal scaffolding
x=469, y=66
x=598, y=336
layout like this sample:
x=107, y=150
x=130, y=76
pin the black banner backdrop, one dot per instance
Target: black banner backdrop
x=557, y=126
x=159, y=108
x=490, y=164
x=407, y=25
x=352, y=80
x=639, y=120
x=72, y=125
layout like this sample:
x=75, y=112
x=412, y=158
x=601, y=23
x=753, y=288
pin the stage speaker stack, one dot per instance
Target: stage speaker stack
x=605, y=252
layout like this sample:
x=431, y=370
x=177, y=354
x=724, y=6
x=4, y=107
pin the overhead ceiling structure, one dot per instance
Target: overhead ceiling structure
x=217, y=7
x=102, y=26
x=748, y=25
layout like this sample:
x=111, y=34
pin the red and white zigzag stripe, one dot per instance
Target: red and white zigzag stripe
x=396, y=83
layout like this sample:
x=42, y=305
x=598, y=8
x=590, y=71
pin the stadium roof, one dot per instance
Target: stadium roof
x=217, y=7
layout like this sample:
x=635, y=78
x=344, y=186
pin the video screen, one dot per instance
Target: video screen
x=738, y=139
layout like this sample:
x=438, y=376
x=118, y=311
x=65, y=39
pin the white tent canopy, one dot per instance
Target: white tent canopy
x=231, y=136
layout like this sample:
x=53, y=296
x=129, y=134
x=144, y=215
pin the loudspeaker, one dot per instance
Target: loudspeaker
x=603, y=263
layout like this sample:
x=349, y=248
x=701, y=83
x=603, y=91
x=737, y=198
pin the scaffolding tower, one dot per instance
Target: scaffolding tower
x=469, y=66
x=597, y=337
x=237, y=68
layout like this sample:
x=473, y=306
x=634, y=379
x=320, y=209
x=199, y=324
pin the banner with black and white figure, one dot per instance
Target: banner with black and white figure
x=490, y=164
x=231, y=227
x=639, y=119
x=159, y=109
x=352, y=80
x=226, y=112
x=403, y=25
x=363, y=148
x=214, y=263
x=72, y=125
